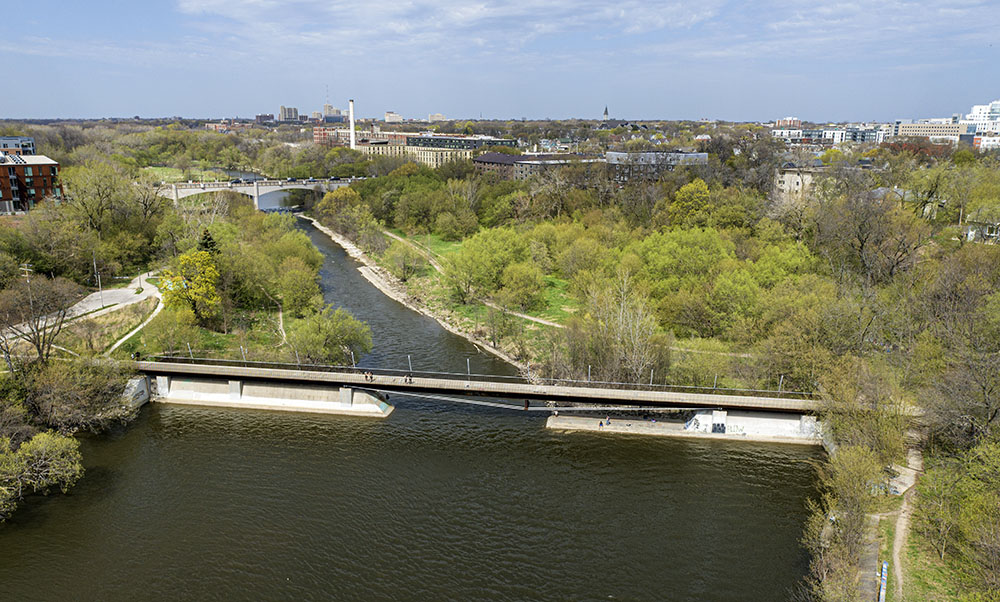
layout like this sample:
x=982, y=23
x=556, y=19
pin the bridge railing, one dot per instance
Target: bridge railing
x=228, y=184
x=471, y=376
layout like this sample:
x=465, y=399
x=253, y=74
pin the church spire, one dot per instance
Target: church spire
x=605, y=112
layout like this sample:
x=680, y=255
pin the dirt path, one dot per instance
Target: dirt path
x=914, y=460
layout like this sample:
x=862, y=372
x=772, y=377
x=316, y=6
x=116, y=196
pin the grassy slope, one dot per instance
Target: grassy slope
x=91, y=336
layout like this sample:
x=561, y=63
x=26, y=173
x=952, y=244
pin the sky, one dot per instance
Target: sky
x=644, y=59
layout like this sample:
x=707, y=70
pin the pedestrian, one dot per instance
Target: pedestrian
x=600, y=425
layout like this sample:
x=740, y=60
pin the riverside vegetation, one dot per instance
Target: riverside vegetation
x=859, y=291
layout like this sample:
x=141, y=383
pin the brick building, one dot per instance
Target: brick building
x=25, y=180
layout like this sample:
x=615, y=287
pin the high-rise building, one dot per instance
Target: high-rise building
x=264, y=118
x=436, y=117
x=331, y=111
x=393, y=117
x=288, y=114
x=316, y=115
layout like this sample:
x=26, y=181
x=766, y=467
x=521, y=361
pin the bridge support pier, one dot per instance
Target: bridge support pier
x=162, y=386
x=256, y=195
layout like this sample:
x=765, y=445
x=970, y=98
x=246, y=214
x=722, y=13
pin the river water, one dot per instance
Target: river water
x=437, y=502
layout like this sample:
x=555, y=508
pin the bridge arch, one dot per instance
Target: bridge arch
x=254, y=190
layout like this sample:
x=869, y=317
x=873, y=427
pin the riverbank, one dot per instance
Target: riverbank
x=664, y=428
x=391, y=287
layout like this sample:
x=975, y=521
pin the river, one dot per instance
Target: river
x=437, y=502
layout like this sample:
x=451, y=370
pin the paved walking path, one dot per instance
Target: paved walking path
x=114, y=298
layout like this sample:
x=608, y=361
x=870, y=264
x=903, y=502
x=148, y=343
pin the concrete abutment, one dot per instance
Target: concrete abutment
x=262, y=395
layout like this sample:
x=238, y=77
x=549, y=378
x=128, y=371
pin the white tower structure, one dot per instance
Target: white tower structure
x=350, y=112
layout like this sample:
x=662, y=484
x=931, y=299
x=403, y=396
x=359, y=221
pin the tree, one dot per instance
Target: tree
x=871, y=236
x=193, y=284
x=34, y=310
x=523, y=285
x=207, y=243
x=80, y=395
x=329, y=336
x=689, y=201
x=403, y=260
x=937, y=511
x=297, y=287
x=837, y=527
x=47, y=460
x=480, y=263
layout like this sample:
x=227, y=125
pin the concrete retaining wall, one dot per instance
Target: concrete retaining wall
x=751, y=424
x=746, y=426
x=270, y=396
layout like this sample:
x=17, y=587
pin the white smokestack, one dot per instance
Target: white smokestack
x=350, y=112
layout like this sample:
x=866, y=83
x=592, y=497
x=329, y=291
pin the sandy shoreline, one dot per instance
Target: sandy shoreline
x=392, y=288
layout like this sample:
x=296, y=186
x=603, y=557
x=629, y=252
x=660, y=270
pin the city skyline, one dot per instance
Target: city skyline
x=211, y=59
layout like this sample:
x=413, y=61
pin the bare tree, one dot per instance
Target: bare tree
x=34, y=311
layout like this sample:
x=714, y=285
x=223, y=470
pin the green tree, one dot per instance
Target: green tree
x=297, y=287
x=691, y=200
x=480, y=263
x=523, y=285
x=403, y=260
x=329, y=337
x=193, y=284
x=50, y=460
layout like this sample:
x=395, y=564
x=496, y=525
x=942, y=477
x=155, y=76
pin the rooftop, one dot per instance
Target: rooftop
x=26, y=160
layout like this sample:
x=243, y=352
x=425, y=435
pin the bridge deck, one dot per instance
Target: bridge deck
x=521, y=391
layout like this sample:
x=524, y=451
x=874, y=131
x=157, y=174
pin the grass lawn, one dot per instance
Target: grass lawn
x=927, y=578
x=886, y=532
x=559, y=304
x=431, y=242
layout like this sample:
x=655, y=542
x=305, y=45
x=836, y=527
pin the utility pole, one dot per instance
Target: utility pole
x=26, y=268
x=97, y=277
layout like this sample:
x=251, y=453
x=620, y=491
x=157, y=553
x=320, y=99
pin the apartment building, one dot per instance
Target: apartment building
x=17, y=145
x=25, y=180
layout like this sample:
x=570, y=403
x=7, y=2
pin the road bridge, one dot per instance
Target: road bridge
x=201, y=379
x=253, y=189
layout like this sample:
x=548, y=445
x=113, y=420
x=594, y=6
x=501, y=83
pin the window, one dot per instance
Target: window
x=27, y=171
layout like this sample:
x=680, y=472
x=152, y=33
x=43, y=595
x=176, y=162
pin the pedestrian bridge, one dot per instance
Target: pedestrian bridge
x=254, y=189
x=244, y=384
